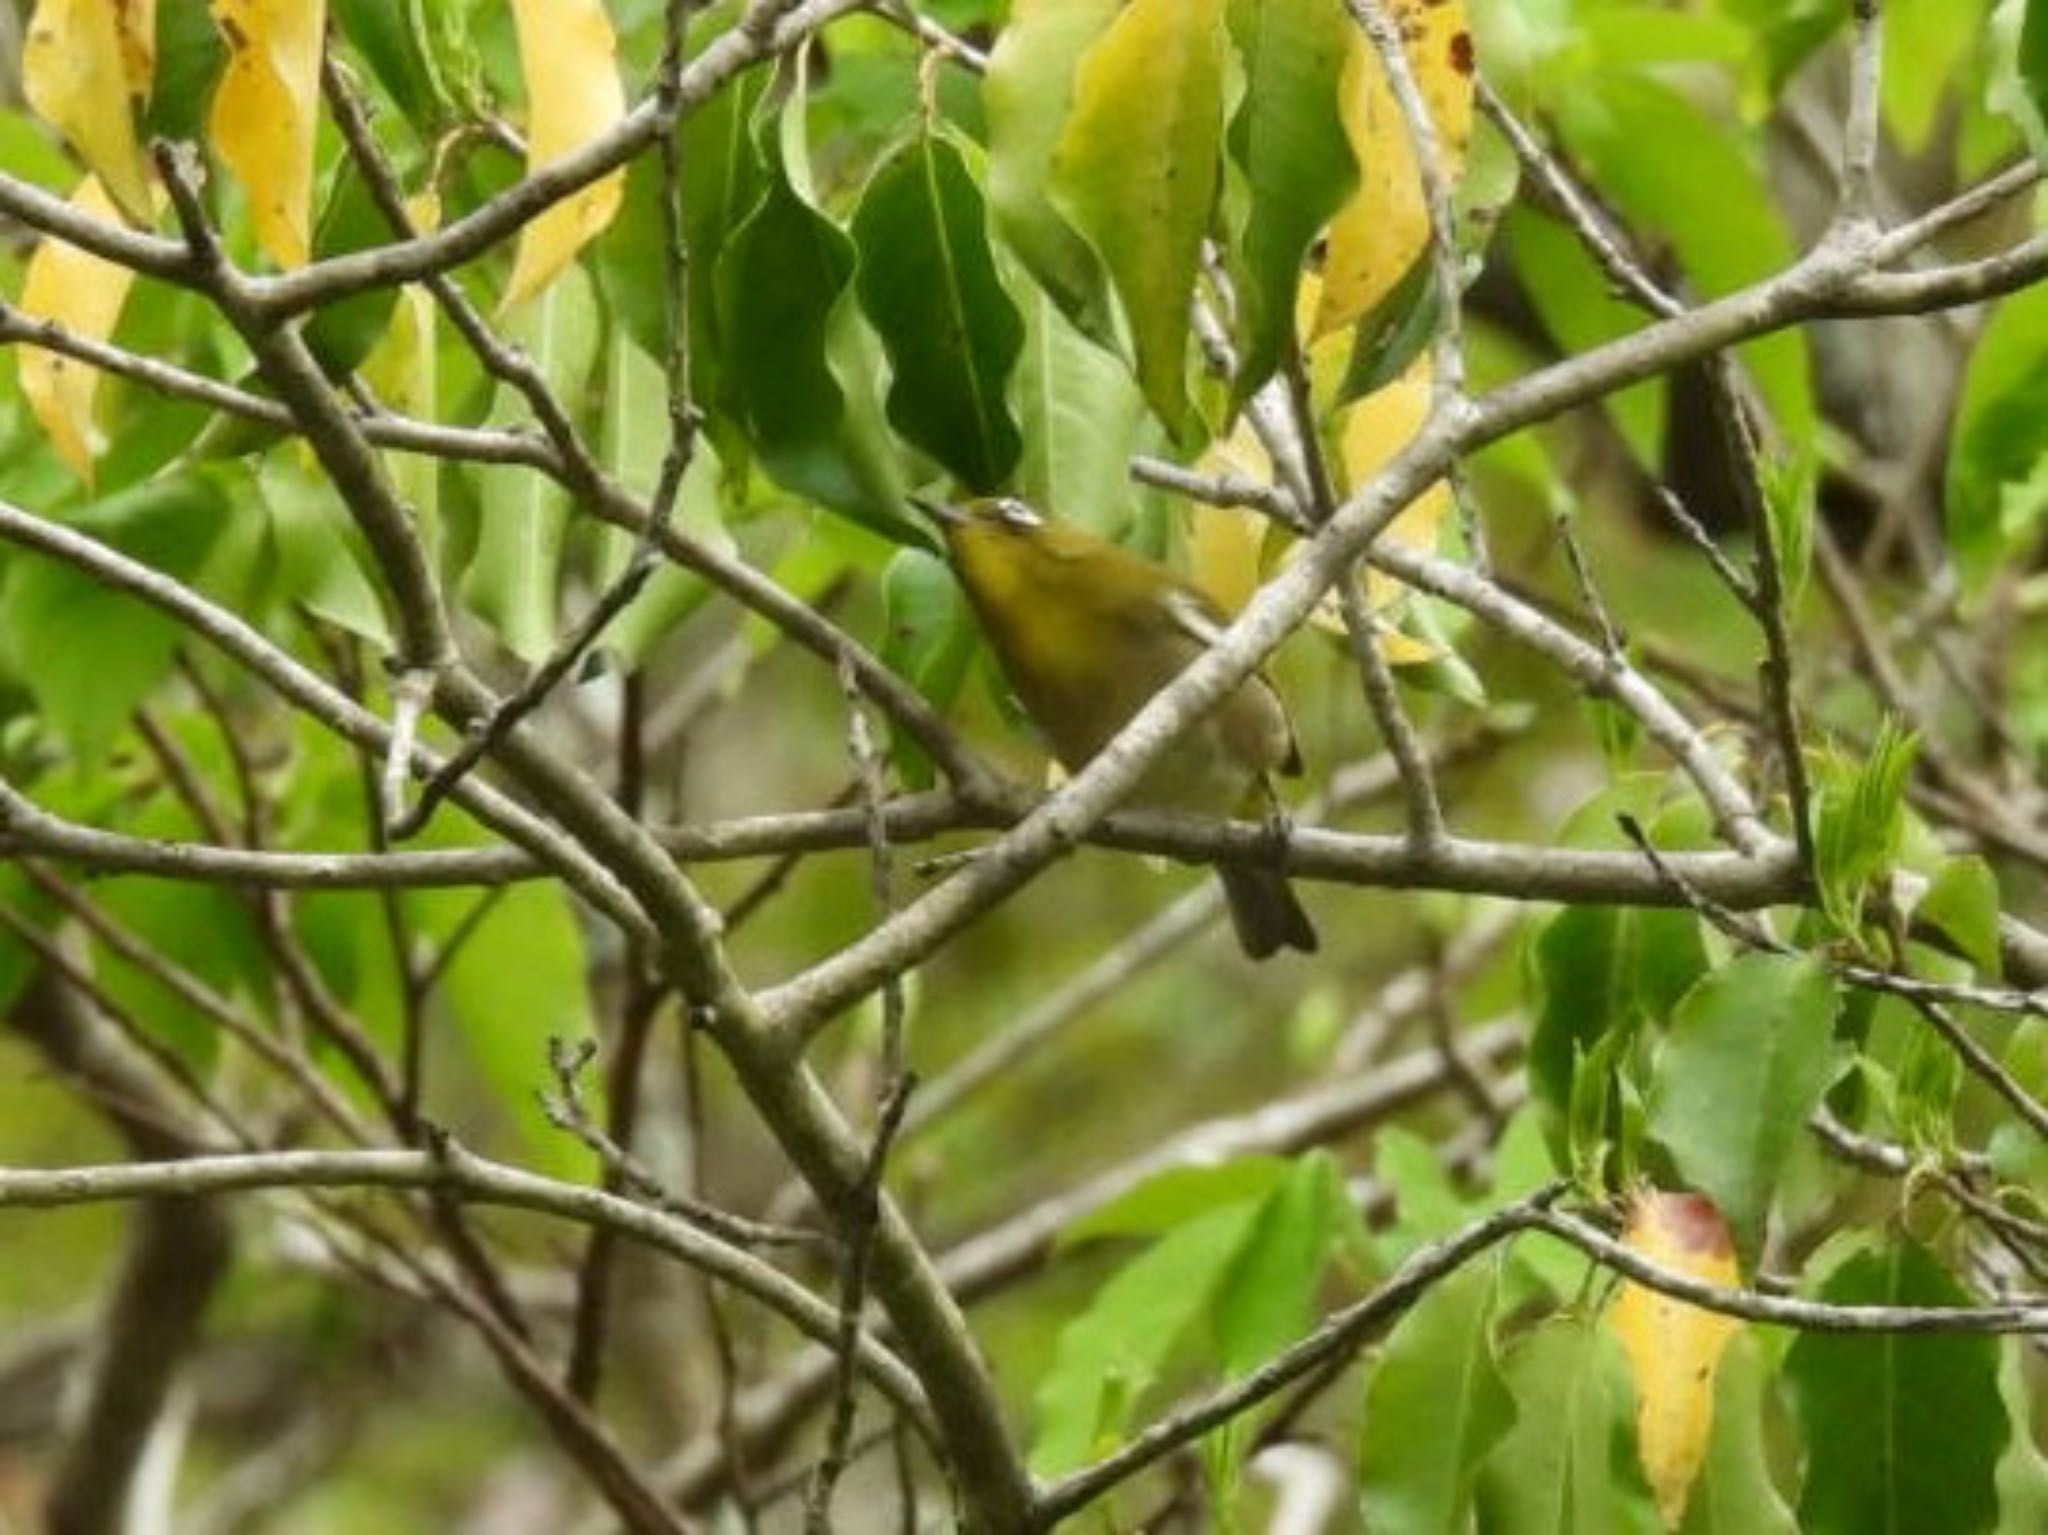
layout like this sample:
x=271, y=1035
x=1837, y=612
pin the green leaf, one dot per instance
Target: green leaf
x=1110, y=1355
x=89, y=655
x=391, y=36
x=1751, y=1051
x=341, y=335
x=1027, y=92
x=1568, y=1466
x=1079, y=411
x=1289, y=142
x=929, y=641
x=1268, y=1298
x=783, y=277
x=723, y=180
x=190, y=55
x=513, y=575
x=1137, y=167
x=517, y=982
x=1650, y=149
x=1579, y=310
x=928, y=283
x=1601, y=970
x=1996, y=492
x=317, y=562
x=1903, y=1431
x=1938, y=36
x=1963, y=903
x=1176, y=1196
x=634, y=442
x=2033, y=56
x=1859, y=822
x=1436, y=1405
x=1392, y=333
x=1791, y=489
x=1734, y=1494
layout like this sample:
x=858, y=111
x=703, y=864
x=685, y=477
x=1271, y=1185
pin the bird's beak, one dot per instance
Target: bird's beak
x=939, y=512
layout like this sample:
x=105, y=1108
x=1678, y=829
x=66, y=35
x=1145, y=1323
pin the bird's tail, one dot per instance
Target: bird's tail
x=1265, y=912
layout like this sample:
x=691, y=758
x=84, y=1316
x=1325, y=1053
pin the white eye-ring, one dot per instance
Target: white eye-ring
x=1017, y=514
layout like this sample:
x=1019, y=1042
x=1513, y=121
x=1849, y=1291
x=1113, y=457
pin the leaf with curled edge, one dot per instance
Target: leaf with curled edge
x=83, y=294
x=1137, y=167
x=86, y=66
x=266, y=112
x=1380, y=232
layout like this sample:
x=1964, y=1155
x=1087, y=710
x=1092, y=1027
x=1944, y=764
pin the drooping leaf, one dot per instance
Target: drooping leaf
x=1903, y=1431
x=83, y=294
x=1996, y=491
x=512, y=581
x=1079, y=413
x=1750, y=1053
x=340, y=335
x=86, y=68
x=803, y=387
x=1287, y=139
x=1601, y=971
x=1137, y=166
x=317, y=562
x=1370, y=435
x=90, y=654
x=1735, y=237
x=1568, y=1465
x=2033, y=56
x=1110, y=1355
x=1027, y=93
x=1963, y=903
x=191, y=55
x=927, y=281
x=265, y=114
x=1734, y=1494
x=517, y=983
x=568, y=57
x=394, y=40
x=929, y=641
x=1674, y=1350
x=1384, y=228
x=1436, y=1405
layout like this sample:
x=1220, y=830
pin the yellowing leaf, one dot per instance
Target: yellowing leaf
x=83, y=294
x=1136, y=166
x=265, y=113
x=1232, y=549
x=1674, y=1349
x=86, y=65
x=1379, y=234
x=569, y=58
x=1371, y=433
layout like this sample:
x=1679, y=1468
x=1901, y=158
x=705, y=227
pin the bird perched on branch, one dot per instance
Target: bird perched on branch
x=1087, y=632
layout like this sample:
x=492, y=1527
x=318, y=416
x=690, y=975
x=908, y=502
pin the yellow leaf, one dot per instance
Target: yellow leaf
x=85, y=67
x=265, y=114
x=1674, y=1349
x=83, y=294
x=569, y=57
x=1378, y=235
x=1371, y=433
x=1232, y=549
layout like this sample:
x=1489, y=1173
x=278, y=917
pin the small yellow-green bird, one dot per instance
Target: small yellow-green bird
x=1087, y=632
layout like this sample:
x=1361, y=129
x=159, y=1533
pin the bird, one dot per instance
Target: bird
x=1086, y=632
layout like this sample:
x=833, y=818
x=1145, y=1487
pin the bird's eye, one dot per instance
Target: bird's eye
x=1016, y=514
